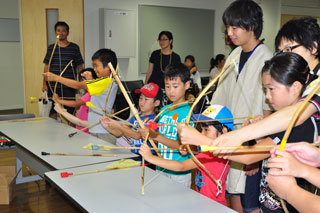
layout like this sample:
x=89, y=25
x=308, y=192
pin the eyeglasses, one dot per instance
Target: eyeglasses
x=163, y=39
x=288, y=49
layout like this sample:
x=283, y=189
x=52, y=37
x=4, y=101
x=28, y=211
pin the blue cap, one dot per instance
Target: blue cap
x=216, y=112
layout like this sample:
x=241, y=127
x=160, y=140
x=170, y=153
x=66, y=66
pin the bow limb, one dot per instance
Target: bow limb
x=297, y=114
x=54, y=48
x=106, y=102
x=55, y=86
x=132, y=108
x=210, y=84
x=136, y=115
x=291, y=125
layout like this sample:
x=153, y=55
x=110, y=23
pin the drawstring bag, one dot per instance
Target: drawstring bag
x=44, y=105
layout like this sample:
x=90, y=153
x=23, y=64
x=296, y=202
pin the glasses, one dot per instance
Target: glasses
x=163, y=39
x=288, y=49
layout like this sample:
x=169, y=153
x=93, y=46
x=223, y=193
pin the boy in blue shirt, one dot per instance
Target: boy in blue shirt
x=177, y=81
x=150, y=98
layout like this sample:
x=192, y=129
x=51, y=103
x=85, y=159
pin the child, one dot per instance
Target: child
x=284, y=79
x=298, y=160
x=102, y=96
x=150, y=98
x=240, y=88
x=82, y=117
x=177, y=81
x=217, y=166
x=189, y=61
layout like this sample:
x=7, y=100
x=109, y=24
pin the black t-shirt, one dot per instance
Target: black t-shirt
x=270, y=202
x=243, y=59
x=157, y=73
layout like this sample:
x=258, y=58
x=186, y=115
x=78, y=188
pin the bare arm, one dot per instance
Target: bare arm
x=287, y=188
x=68, y=103
x=150, y=69
x=66, y=81
x=44, y=85
x=250, y=158
x=80, y=67
x=127, y=131
x=167, y=164
x=111, y=125
x=276, y=122
x=289, y=165
x=173, y=144
x=73, y=119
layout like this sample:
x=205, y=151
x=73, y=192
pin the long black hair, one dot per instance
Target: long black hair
x=288, y=67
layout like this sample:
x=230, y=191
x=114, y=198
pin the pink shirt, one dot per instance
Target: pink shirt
x=83, y=111
x=219, y=168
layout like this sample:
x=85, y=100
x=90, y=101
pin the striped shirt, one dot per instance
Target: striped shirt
x=61, y=57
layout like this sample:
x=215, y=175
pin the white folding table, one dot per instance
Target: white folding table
x=34, y=137
x=119, y=191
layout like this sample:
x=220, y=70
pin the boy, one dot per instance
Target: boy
x=177, y=81
x=98, y=89
x=150, y=98
x=240, y=88
x=218, y=166
x=301, y=36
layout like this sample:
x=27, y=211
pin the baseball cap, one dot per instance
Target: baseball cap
x=216, y=112
x=151, y=90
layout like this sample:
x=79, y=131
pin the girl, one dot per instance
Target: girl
x=161, y=58
x=216, y=65
x=284, y=79
x=189, y=61
x=150, y=98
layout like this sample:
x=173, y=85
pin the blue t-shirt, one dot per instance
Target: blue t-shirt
x=179, y=114
x=145, y=119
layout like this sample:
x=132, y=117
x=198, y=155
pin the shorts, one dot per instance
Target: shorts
x=250, y=199
x=182, y=179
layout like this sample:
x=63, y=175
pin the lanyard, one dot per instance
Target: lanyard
x=249, y=56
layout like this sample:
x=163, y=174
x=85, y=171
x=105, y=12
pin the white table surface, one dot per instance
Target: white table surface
x=119, y=191
x=51, y=136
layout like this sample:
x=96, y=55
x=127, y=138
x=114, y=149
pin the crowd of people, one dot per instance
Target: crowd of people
x=256, y=82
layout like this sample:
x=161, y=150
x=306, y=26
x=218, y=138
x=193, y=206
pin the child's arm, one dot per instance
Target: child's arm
x=287, y=188
x=66, y=81
x=164, y=163
x=173, y=144
x=68, y=103
x=73, y=119
x=113, y=126
x=250, y=158
x=287, y=164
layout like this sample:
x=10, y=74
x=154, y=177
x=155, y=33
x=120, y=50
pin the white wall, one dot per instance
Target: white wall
x=11, y=80
x=129, y=68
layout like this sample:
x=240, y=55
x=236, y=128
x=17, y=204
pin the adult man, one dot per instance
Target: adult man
x=64, y=52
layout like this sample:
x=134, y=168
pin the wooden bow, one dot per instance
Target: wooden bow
x=210, y=84
x=291, y=125
x=136, y=115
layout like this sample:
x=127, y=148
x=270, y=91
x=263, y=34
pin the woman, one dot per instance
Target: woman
x=216, y=65
x=161, y=58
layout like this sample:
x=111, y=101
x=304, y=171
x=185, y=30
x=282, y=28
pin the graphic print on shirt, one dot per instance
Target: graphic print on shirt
x=267, y=197
x=139, y=142
x=199, y=181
